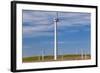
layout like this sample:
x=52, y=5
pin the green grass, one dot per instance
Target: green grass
x=51, y=58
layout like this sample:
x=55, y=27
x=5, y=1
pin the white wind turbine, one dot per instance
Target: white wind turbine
x=55, y=22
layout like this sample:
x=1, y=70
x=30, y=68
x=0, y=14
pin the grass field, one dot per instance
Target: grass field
x=59, y=58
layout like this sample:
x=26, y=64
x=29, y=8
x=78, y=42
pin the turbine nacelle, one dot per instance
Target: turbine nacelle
x=56, y=20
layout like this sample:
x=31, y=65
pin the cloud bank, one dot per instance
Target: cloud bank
x=40, y=23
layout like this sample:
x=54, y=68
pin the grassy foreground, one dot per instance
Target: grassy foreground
x=59, y=58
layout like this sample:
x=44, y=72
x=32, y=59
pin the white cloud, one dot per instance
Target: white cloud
x=37, y=34
x=26, y=47
x=60, y=42
x=73, y=42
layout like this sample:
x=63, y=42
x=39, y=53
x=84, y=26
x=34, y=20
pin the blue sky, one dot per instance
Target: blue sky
x=73, y=32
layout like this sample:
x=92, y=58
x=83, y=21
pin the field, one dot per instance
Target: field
x=59, y=58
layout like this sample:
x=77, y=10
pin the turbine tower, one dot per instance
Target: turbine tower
x=55, y=36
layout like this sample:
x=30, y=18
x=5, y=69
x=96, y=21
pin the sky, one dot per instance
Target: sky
x=73, y=32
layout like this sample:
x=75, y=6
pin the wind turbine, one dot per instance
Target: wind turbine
x=56, y=20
